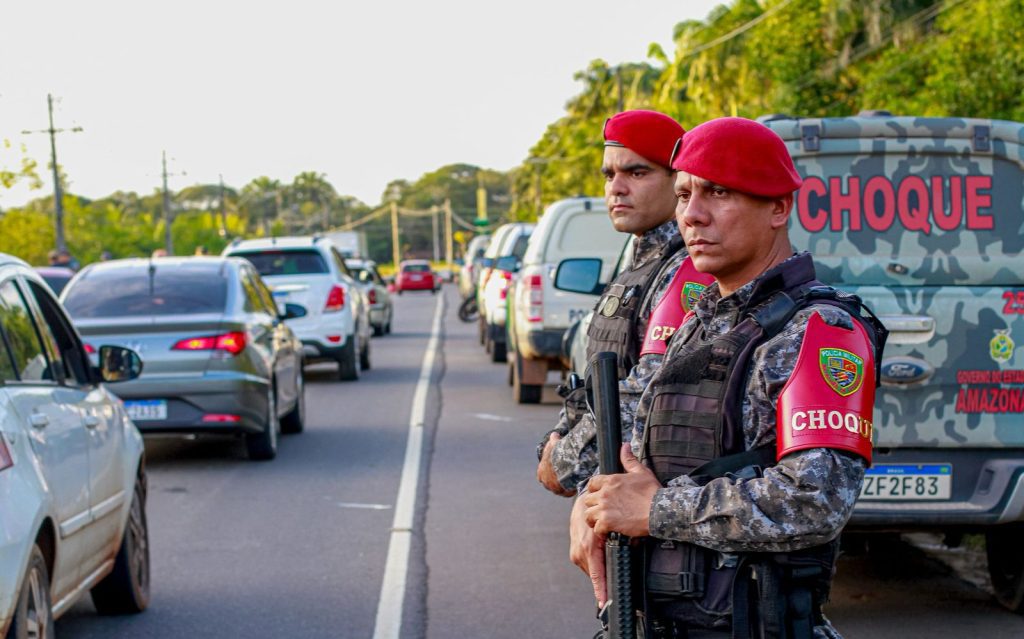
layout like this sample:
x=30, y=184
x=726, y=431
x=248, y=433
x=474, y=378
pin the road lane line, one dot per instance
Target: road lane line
x=392, y=590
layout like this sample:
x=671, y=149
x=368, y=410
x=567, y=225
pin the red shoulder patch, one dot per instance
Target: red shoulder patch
x=687, y=286
x=829, y=400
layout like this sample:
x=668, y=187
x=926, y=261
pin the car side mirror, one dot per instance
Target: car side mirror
x=486, y=262
x=579, y=275
x=292, y=311
x=117, y=364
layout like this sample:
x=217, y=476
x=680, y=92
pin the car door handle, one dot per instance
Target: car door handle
x=39, y=420
x=91, y=421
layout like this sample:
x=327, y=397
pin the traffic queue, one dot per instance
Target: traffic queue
x=191, y=346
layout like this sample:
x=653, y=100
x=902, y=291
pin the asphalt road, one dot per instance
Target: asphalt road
x=297, y=547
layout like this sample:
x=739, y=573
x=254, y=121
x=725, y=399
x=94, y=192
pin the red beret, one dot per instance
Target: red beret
x=740, y=154
x=650, y=134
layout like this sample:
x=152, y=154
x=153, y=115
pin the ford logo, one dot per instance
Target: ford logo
x=905, y=370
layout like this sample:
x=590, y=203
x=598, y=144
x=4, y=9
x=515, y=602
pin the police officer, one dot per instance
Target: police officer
x=644, y=305
x=754, y=435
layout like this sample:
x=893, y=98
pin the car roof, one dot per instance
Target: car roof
x=427, y=262
x=54, y=271
x=294, y=242
x=10, y=259
x=356, y=262
x=164, y=262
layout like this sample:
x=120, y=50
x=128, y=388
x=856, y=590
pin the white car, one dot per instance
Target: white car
x=72, y=476
x=309, y=274
x=510, y=241
x=377, y=294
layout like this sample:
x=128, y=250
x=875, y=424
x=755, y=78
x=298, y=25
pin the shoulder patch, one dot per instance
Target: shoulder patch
x=686, y=287
x=828, y=401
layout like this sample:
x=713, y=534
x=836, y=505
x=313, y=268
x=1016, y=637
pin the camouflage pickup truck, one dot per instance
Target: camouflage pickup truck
x=924, y=219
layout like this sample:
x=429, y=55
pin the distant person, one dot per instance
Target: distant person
x=159, y=253
x=62, y=258
x=106, y=256
x=202, y=250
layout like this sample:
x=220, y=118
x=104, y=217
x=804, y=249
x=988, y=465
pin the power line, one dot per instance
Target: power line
x=737, y=31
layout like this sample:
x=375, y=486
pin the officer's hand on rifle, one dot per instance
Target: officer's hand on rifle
x=546, y=472
x=586, y=550
x=621, y=503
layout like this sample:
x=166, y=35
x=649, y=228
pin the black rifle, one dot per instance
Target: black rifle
x=617, y=616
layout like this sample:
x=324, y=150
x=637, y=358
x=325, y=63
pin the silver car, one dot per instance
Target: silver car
x=377, y=295
x=218, y=356
x=72, y=474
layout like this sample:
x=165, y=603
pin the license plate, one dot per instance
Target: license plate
x=146, y=409
x=415, y=278
x=907, y=482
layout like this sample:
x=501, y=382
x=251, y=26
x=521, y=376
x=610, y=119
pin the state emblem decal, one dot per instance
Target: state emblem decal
x=842, y=370
x=691, y=294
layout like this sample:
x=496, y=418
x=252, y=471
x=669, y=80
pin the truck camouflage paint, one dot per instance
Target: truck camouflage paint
x=924, y=219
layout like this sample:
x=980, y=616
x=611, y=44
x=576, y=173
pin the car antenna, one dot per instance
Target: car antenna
x=152, y=275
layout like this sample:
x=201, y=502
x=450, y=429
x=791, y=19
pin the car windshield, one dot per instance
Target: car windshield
x=276, y=262
x=147, y=290
x=416, y=268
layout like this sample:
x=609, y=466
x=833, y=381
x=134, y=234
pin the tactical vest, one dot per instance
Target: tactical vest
x=614, y=325
x=695, y=427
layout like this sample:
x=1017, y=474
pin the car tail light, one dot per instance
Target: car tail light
x=233, y=342
x=372, y=296
x=535, y=295
x=89, y=348
x=334, y=339
x=506, y=277
x=5, y=455
x=221, y=418
x=335, y=299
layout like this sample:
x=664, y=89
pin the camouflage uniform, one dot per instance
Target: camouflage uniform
x=574, y=457
x=802, y=501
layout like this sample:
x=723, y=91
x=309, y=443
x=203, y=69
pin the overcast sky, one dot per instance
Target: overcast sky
x=363, y=92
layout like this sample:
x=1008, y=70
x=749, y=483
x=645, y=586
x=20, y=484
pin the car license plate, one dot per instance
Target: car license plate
x=907, y=482
x=146, y=409
x=415, y=278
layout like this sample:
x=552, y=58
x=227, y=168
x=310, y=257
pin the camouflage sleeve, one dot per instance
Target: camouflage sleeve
x=574, y=457
x=803, y=500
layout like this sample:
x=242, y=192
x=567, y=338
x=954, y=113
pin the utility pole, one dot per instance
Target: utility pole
x=58, y=195
x=394, y=235
x=223, y=214
x=433, y=226
x=168, y=216
x=448, y=231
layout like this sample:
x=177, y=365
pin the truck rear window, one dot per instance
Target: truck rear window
x=277, y=262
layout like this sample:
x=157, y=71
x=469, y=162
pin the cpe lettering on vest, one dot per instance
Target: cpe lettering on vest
x=914, y=203
x=829, y=399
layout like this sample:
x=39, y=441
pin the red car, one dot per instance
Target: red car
x=415, y=275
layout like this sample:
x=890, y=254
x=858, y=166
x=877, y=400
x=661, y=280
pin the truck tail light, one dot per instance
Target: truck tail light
x=335, y=300
x=371, y=296
x=535, y=295
x=233, y=343
x=5, y=455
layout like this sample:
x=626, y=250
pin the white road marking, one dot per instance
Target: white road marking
x=491, y=418
x=349, y=504
x=392, y=590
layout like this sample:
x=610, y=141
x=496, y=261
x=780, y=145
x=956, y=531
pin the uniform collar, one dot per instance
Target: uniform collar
x=650, y=245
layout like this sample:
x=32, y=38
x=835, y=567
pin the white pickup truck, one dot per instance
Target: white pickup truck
x=539, y=314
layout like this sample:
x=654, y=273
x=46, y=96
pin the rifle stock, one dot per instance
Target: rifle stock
x=618, y=614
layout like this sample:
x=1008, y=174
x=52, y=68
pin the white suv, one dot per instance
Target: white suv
x=540, y=314
x=330, y=312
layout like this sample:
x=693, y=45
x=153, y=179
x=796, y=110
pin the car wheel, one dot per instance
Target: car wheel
x=378, y=330
x=348, y=361
x=387, y=327
x=33, y=614
x=364, y=356
x=1006, y=564
x=523, y=393
x=295, y=420
x=263, y=445
x=126, y=589
x=482, y=329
